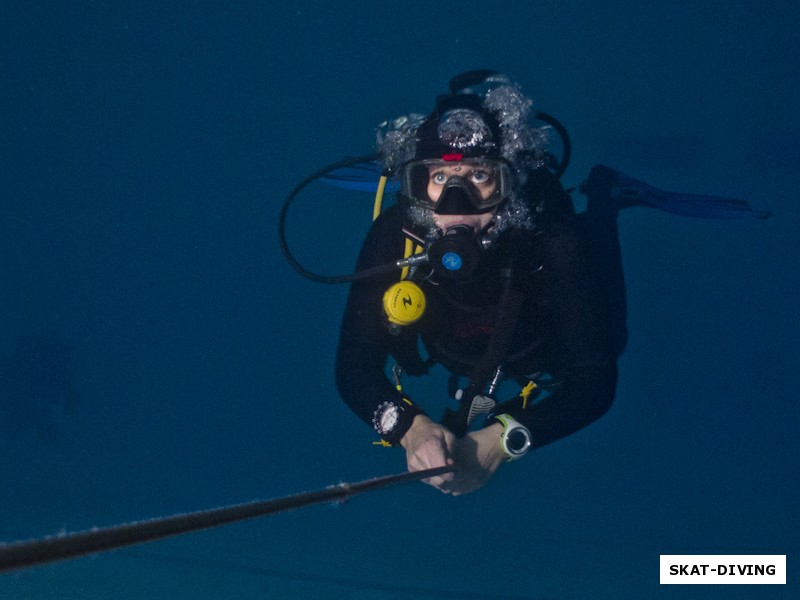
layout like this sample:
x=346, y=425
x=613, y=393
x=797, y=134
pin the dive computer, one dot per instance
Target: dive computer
x=515, y=439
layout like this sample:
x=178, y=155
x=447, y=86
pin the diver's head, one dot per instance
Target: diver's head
x=457, y=174
x=463, y=164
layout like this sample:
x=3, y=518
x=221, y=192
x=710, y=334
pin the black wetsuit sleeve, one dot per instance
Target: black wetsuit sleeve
x=580, y=352
x=363, y=345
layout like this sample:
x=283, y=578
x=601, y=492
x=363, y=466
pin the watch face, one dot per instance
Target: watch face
x=517, y=441
x=516, y=438
x=386, y=418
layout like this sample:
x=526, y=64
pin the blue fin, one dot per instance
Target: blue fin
x=361, y=177
x=626, y=191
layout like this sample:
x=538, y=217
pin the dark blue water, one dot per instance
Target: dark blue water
x=145, y=149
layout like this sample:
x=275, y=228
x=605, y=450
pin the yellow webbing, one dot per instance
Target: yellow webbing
x=526, y=392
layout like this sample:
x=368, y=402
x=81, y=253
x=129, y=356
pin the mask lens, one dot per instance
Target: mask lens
x=485, y=181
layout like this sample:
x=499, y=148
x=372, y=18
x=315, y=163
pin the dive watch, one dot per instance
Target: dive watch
x=515, y=439
x=386, y=418
x=393, y=418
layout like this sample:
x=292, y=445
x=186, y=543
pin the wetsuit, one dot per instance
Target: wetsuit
x=565, y=327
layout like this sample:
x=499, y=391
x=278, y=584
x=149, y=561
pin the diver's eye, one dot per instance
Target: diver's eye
x=439, y=178
x=480, y=176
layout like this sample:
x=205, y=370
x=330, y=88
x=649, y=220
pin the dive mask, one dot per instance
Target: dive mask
x=459, y=186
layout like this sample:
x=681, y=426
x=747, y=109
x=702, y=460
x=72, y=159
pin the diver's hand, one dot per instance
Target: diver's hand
x=429, y=445
x=478, y=455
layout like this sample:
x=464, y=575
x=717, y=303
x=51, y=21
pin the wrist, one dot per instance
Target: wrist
x=419, y=423
x=493, y=434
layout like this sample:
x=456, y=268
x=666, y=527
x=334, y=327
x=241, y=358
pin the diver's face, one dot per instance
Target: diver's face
x=482, y=181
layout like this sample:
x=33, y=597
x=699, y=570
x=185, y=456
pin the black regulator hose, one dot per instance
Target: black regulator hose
x=293, y=262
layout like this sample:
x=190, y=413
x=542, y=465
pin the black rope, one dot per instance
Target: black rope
x=72, y=545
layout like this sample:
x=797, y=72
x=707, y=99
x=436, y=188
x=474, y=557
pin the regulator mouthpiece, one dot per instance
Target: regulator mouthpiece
x=456, y=254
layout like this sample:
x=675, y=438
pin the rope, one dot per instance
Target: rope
x=72, y=545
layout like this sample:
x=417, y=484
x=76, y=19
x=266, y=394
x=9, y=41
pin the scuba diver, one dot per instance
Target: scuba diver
x=499, y=280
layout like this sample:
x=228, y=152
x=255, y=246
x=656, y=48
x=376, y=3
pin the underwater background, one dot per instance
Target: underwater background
x=158, y=356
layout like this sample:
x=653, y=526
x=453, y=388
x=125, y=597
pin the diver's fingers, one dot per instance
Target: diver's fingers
x=429, y=445
x=442, y=482
x=430, y=454
x=430, y=457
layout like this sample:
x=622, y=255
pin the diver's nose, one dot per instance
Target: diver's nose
x=455, y=200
